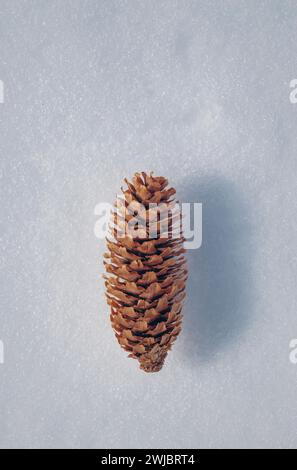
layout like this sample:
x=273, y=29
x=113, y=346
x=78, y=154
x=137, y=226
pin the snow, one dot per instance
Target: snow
x=197, y=91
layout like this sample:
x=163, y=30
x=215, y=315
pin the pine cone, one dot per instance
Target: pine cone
x=145, y=284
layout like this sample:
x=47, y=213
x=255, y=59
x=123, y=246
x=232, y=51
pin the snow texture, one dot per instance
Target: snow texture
x=197, y=91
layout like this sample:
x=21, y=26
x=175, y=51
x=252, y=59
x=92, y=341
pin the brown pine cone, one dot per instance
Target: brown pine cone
x=145, y=285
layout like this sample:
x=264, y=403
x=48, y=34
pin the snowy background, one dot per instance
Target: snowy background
x=197, y=91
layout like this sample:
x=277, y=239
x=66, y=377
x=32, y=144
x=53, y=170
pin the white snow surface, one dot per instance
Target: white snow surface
x=197, y=91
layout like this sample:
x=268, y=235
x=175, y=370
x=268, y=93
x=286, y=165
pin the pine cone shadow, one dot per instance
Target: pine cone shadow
x=219, y=288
